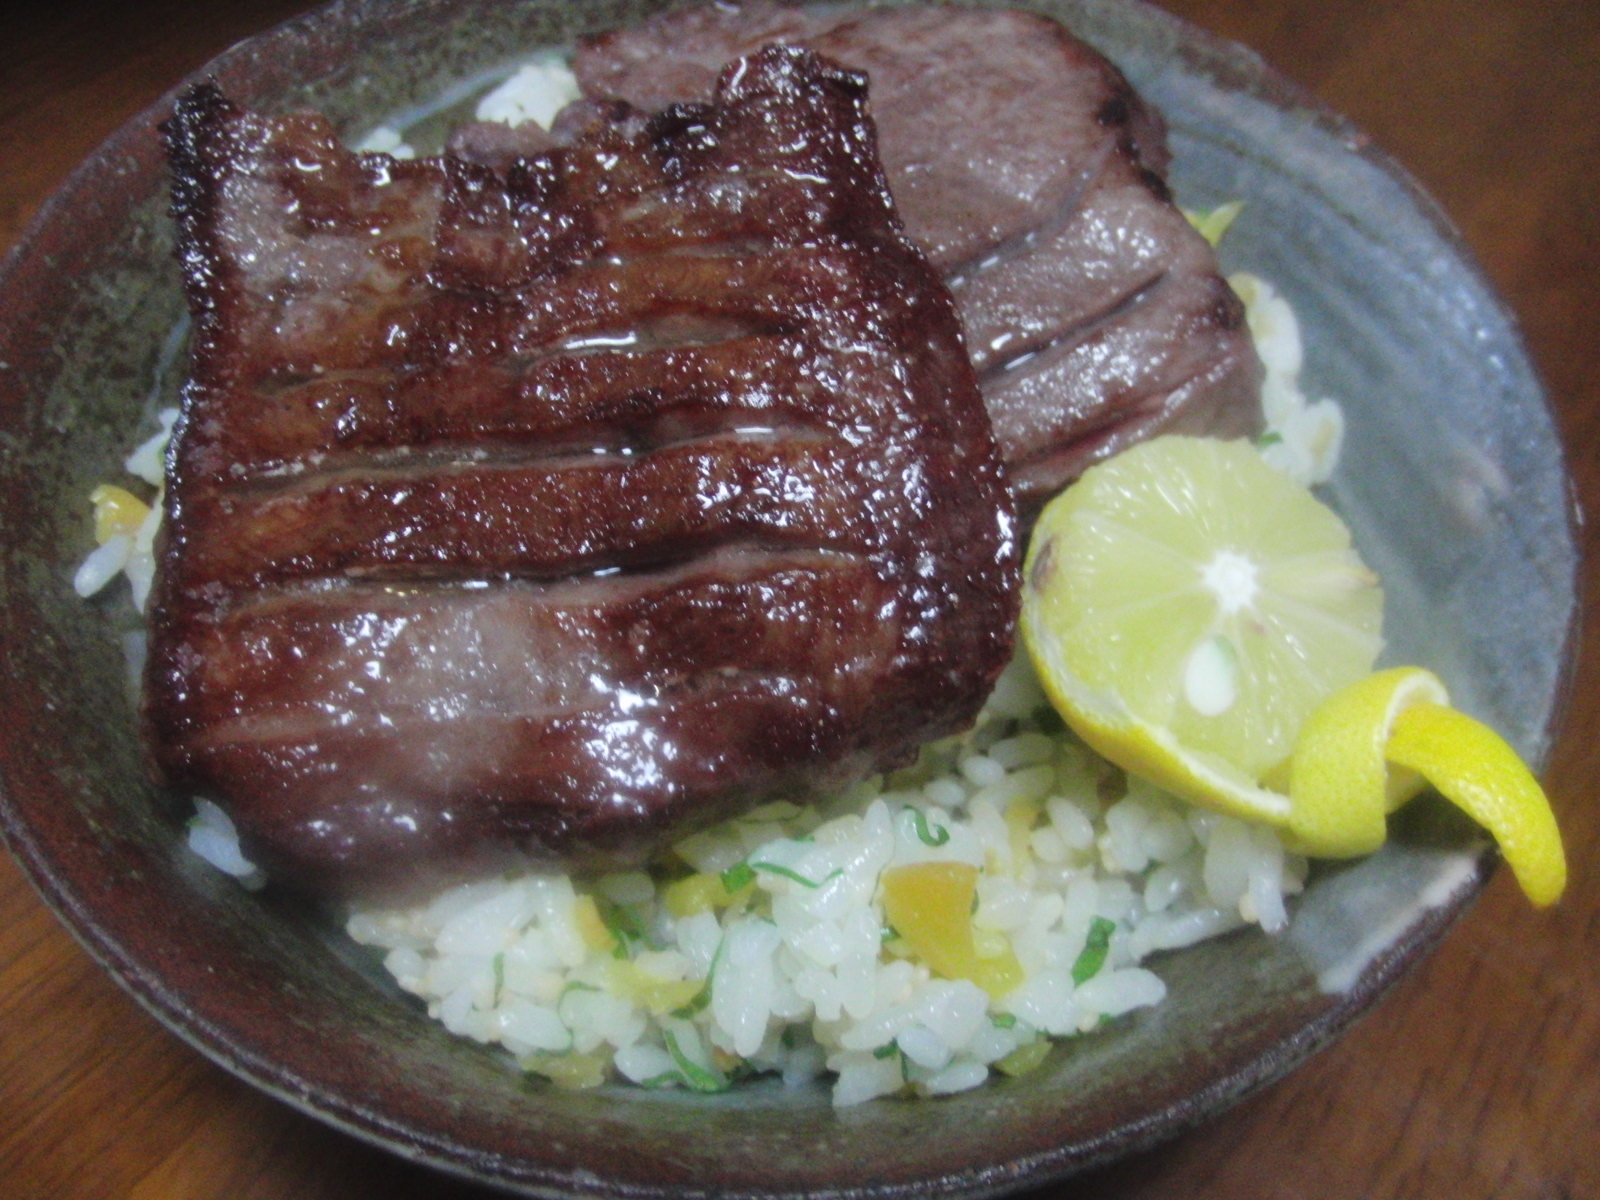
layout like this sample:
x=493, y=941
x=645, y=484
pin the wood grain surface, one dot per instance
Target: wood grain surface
x=1479, y=1076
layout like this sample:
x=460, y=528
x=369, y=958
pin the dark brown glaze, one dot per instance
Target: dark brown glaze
x=540, y=514
x=1032, y=174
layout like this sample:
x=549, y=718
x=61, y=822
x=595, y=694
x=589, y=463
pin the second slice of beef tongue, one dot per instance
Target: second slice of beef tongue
x=1032, y=174
x=542, y=514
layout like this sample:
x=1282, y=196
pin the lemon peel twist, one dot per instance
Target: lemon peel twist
x=1373, y=745
x=1341, y=789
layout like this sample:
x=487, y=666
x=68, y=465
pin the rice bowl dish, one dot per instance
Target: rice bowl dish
x=761, y=946
x=497, y=964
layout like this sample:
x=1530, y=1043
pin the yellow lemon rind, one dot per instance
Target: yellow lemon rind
x=1472, y=766
x=1341, y=788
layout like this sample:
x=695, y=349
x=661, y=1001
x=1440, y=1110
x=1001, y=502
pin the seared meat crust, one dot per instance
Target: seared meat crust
x=544, y=513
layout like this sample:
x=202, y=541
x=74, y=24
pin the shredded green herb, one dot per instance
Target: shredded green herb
x=928, y=834
x=738, y=876
x=1095, y=946
x=698, y=1078
x=796, y=877
x=702, y=998
x=1004, y=1020
x=499, y=977
x=701, y=1001
x=625, y=925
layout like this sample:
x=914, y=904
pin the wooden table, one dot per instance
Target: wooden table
x=1478, y=1077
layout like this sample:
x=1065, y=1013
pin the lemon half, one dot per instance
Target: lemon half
x=1187, y=607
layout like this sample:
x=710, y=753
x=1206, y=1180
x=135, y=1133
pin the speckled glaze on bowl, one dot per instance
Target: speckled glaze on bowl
x=1453, y=478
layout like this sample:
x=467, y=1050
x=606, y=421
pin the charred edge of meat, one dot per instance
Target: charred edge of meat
x=199, y=118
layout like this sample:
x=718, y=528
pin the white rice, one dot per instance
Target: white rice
x=776, y=956
x=1303, y=437
x=213, y=837
x=131, y=553
x=536, y=91
x=761, y=946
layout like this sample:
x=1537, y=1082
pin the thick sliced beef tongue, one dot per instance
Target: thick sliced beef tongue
x=1032, y=175
x=541, y=514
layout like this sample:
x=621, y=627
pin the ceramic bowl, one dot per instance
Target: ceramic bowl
x=1452, y=477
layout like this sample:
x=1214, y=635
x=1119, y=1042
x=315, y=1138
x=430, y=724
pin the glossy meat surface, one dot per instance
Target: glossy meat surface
x=1032, y=174
x=543, y=514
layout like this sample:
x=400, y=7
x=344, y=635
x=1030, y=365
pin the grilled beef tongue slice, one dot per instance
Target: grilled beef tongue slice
x=541, y=515
x=1032, y=174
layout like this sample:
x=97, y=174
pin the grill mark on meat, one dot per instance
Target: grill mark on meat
x=562, y=400
x=551, y=655
x=592, y=443
x=731, y=558
x=1025, y=356
x=1052, y=221
x=593, y=763
x=264, y=729
x=547, y=511
x=600, y=297
x=580, y=515
x=671, y=331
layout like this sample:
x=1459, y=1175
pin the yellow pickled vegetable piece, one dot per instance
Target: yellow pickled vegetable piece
x=702, y=892
x=1025, y=1059
x=570, y=1072
x=654, y=993
x=1213, y=223
x=1020, y=817
x=592, y=926
x=116, y=510
x=930, y=905
x=693, y=894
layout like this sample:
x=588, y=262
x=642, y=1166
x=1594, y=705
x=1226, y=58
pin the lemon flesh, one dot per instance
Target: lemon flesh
x=1187, y=607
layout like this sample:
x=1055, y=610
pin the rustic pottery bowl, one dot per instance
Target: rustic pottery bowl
x=1453, y=479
